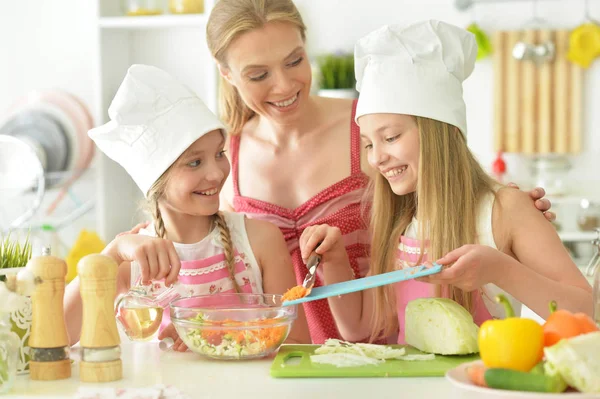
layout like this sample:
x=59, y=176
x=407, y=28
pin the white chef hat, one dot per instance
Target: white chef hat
x=153, y=120
x=415, y=70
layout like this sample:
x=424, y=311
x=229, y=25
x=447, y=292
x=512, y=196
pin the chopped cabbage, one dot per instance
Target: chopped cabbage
x=441, y=326
x=369, y=350
x=344, y=359
x=346, y=354
x=577, y=360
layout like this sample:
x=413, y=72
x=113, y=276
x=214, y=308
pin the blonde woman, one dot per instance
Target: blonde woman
x=432, y=201
x=296, y=159
x=173, y=148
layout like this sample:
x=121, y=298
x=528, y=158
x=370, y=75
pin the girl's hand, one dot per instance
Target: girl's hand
x=542, y=204
x=471, y=266
x=326, y=241
x=156, y=256
x=171, y=332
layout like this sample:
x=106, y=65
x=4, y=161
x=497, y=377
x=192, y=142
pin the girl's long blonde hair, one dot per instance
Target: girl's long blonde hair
x=228, y=20
x=450, y=184
x=157, y=191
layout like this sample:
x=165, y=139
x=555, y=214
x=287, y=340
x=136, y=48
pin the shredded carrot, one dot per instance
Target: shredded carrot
x=268, y=337
x=293, y=293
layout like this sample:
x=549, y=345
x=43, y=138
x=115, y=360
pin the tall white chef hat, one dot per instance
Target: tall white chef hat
x=415, y=70
x=153, y=120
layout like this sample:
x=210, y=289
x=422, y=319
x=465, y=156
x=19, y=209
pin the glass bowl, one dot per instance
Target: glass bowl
x=233, y=326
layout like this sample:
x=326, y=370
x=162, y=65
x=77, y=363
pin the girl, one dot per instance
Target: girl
x=432, y=200
x=173, y=148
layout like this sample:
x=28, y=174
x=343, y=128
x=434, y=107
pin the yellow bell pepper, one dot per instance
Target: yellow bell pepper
x=512, y=343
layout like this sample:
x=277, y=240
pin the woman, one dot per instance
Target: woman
x=295, y=158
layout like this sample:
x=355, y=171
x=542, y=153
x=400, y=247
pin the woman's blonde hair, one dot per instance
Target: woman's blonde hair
x=450, y=184
x=228, y=20
x=157, y=192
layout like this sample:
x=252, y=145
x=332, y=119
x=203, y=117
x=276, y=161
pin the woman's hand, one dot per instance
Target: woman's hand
x=471, y=266
x=326, y=241
x=156, y=256
x=542, y=204
x=170, y=332
x=136, y=229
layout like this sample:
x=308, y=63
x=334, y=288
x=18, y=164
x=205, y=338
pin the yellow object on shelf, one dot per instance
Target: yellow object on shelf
x=87, y=243
x=142, y=11
x=584, y=44
x=186, y=6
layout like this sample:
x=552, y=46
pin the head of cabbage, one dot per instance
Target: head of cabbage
x=440, y=326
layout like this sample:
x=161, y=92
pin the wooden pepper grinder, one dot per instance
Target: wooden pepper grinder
x=100, y=350
x=48, y=341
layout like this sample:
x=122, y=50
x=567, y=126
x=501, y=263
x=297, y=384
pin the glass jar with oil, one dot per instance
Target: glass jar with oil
x=140, y=310
x=139, y=318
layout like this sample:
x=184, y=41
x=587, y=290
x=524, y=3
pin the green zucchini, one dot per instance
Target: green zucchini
x=520, y=381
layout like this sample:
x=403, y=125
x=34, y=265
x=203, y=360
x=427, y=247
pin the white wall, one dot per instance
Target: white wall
x=46, y=44
x=337, y=24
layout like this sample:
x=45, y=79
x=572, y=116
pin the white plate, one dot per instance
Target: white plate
x=458, y=377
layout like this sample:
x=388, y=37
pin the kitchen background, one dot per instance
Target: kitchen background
x=84, y=47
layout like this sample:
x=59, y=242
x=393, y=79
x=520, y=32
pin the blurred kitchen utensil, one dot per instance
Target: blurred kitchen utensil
x=584, y=41
x=22, y=184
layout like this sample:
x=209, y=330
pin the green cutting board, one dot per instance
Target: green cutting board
x=301, y=366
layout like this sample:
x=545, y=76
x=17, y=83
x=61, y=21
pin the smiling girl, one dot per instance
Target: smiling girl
x=173, y=148
x=433, y=201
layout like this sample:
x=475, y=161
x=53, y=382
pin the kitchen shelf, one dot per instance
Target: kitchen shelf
x=154, y=22
x=577, y=236
x=175, y=43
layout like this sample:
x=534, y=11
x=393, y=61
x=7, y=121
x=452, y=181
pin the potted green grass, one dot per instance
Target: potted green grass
x=336, y=76
x=14, y=256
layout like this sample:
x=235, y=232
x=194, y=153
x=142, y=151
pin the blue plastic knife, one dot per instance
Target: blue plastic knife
x=367, y=282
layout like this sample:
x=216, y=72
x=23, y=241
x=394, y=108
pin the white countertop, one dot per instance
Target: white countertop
x=145, y=365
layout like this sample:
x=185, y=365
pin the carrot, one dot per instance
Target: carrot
x=296, y=292
x=476, y=374
x=562, y=324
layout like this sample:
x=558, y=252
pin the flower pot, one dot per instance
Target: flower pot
x=338, y=93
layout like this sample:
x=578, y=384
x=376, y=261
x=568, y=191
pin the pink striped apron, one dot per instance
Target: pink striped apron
x=210, y=276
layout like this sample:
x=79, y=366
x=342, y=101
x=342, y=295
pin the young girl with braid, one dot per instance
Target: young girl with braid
x=172, y=146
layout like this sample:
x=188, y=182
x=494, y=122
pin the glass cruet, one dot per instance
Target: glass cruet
x=140, y=311
x=593, y=269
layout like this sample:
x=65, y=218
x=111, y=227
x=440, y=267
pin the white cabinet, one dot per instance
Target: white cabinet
x=175, y=43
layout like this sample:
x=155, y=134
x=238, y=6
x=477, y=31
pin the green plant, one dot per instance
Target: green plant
x=336, y=71
x=13, y=253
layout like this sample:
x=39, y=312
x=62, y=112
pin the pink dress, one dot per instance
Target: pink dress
x=337, y=205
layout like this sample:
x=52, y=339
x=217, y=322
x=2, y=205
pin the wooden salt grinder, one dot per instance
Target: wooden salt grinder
x=48, y=341
x=100, y=360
